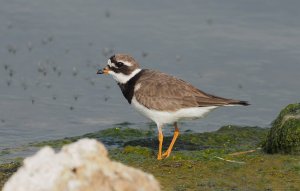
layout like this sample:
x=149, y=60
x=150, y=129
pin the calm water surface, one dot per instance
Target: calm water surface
x=50, y=51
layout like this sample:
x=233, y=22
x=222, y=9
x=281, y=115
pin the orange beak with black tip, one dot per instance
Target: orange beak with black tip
x=103, y=71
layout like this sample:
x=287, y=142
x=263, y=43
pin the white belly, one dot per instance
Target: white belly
x=163, y=117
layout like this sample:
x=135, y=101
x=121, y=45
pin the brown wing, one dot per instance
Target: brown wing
x=160, y=91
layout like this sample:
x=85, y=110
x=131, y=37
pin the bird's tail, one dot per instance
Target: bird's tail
x=238, y=102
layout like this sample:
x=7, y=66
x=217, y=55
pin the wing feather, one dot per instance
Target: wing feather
x=160, y=91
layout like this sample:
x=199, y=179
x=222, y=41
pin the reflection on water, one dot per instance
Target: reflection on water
x=50, y=51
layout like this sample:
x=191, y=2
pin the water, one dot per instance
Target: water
x=50, y=52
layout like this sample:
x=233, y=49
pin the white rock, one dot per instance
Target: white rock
x=81, y=166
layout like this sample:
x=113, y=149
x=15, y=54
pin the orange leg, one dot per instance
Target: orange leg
x=160, y=139
x=176, y=133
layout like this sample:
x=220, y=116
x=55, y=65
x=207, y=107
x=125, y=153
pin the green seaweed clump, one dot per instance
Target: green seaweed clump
x=284, y=136
x=230, y=137
x=146, y=152
x=55, y=143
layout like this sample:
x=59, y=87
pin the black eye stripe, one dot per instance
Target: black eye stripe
x=119, y=64
x=124, y=70
x=116, y=63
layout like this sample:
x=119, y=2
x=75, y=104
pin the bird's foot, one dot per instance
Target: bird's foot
x=166, y=154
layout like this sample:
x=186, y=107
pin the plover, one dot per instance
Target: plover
x=161, y=97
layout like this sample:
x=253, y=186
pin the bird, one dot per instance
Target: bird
x=160, y=97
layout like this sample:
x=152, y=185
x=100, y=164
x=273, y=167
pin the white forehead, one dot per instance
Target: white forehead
x=110, y=63
x=113, y=65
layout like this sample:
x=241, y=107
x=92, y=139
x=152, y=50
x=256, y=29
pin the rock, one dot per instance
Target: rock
x=284, y=136
x=80, y=166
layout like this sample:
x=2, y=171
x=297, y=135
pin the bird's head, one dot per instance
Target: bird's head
x=122, y=67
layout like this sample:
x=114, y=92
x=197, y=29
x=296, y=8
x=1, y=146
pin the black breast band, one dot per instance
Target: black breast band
x=128, y=88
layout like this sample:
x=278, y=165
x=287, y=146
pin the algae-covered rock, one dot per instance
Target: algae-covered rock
x=284, y=136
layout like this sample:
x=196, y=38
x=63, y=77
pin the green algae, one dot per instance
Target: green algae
x=7, y=169
x=113, y=136
x=231, y=137
x=213, y=167
x=146, y=152
x=284, y=136
x=55, y=143
x=126, y=133
x=201, y=170
x=208, y=168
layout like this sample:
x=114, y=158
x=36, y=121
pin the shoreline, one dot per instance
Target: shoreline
x=231, y=158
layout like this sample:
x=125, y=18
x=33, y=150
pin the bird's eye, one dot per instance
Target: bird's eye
x=119, y=64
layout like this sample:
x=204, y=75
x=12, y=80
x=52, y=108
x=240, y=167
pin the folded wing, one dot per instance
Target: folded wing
x=160, y=91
